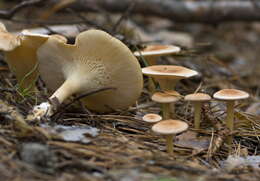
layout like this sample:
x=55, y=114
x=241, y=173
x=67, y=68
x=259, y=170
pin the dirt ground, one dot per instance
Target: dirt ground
x=119, y=145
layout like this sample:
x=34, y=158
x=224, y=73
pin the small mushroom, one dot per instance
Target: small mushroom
x=197, y=99
x=152, y=118
x=167, y=99
x=168, y=75
x=230, y=96
x=152, y=52
x=96, y=61
x=170, y=128
x=20, y=55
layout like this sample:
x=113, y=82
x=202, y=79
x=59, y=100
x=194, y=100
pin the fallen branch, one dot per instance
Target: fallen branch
x=204, y=11
x=10, y=13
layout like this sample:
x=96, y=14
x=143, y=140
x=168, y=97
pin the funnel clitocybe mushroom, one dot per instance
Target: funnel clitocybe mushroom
x=170, y=128
x=96, y=60
x=230, y=96
x=152, y=52
x=168, y=75
x=197, y=99
x=20, y=55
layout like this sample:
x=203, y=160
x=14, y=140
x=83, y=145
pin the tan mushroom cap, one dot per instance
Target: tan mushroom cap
x=168, y=71
x=152, y=118
x=157, y=50
x=23, y=60
x=197, y=97
x=96, y=60
x=170, y=126
x=230, y=95
x=166, y=97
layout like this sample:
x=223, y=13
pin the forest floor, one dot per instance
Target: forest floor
x=119, y=145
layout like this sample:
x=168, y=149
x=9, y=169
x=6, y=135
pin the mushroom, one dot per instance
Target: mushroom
x=197, y=99
x=20, y=55
x=96, y=60
x=169, y=128
x=167, y=99
x=152, y=52
x=230, y=96
x=152, y=118
x=168, y=75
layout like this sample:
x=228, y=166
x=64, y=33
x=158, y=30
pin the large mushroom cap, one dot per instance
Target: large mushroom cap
x=168, y=71
x=197, y=97
x=170, y=126
x=157, y=50
x=96, y=60
x=230, y=95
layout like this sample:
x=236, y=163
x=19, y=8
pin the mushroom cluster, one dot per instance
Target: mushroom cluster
x=167, y=77
x=98, y=61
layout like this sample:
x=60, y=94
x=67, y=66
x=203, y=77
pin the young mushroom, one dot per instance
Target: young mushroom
x=96, y=60
x=230, y=96
x=152, y=118
x=169, y=128
x=167, y=99
x=152, y=52
x=197, y=99
x=20, y=55
x=168, y=75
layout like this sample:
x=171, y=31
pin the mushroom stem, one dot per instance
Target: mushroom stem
x=230, y=121
x=166, y=110
x=169, y=144
x=197, y=114
x=151, y=60
x=167, y=84
x=64, y=91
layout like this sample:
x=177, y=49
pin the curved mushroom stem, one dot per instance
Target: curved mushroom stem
x=169, y=144
x=197, y=114
x=64, y=91
x=166, y=109
x=230, y=121
x=46, y=108
x=151, y=60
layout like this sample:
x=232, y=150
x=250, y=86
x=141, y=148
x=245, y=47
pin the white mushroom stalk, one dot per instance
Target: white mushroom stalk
x=96, y=60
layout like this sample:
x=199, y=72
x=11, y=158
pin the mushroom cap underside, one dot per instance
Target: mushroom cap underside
x=96, y=60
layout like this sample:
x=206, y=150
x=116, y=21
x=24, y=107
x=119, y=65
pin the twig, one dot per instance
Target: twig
x=124, y=16
x=80, y=97
x=10, y=13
